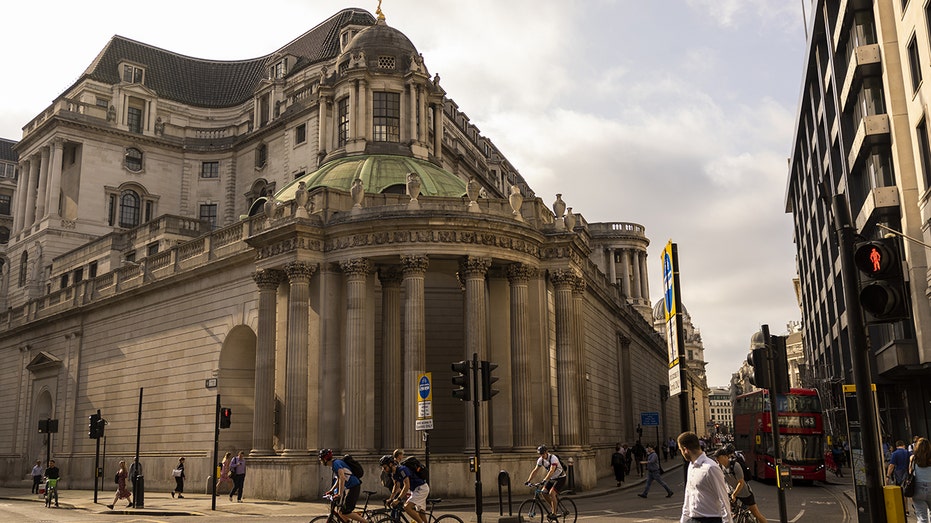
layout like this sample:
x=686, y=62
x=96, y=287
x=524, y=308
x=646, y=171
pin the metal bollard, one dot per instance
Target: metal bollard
x=139, y=492
x=504, y=480
x=571, y=473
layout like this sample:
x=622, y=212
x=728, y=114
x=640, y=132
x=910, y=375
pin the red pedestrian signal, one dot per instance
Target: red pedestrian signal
x=883, y=294
x=225, y=420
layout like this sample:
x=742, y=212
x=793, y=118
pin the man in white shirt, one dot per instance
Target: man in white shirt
x=706, y=498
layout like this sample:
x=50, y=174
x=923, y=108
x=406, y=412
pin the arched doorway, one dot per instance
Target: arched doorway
x=236, y=386
x=37, y=442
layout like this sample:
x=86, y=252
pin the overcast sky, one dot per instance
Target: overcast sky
x=674, y=114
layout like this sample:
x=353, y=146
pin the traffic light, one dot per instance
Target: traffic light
x=760, y=376
x=463, y=380
x=225, y=420
x=94, y=426
x=488, y=379
x=780, y=364
x=883, y=294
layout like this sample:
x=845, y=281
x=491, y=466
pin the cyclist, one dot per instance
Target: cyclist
x=554, y=479
x=345, y=486
x=52, y=475
x=408, y=488
x=734, y=477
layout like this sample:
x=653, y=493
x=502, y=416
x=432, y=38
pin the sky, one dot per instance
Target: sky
x=674, y=114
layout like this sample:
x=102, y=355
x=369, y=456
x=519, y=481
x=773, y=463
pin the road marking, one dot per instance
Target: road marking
x=797, y=517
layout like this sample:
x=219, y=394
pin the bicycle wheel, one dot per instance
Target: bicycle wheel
x=568, y=512
x=531, y=510
x=448, y=518
x=325, y=519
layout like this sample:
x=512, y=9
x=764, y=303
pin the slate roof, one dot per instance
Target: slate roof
x=213, y=83
x=6, y=150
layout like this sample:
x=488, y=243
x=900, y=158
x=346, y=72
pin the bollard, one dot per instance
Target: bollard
x=894, y=502
x=571, y=473
x=504, y=480
x=139, y=492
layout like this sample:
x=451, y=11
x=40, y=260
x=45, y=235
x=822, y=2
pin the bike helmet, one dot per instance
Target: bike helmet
x=387, y=459
x=541, y=449
x=325, y=455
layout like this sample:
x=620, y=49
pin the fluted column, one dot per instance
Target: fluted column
x=578, y=353
x=625, y=273
x=522, y=395
x=644, y=279
x=438, y=131
x=415, y=342
x=30, y=204
x=295, y=404
x=472, y=271
x=612, y=267
x=19, y=214
x=392, y=427
x=567, y=369
x=263, y=422
x=355, y=414
x=53, y=198
x=43, y=184
x=635, y=287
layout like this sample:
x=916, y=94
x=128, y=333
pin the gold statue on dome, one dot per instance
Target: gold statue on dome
x=378, y=11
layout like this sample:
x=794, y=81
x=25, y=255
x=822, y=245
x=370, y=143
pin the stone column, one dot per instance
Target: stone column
x=355, y=384
x=53, y=198
x=415, y=342
x=625, y=273
x=294, y=437
x=644, y=278
x=472, y=271
x=438, y=131
x=567, y=366
x=612, y=267
x=522, y=394
x=578, y=352
x=392, y=427
x=30, y=206
x=19, y=208
x=263, y=422
x=43, y=184
x=635, y=287
x=323, y=138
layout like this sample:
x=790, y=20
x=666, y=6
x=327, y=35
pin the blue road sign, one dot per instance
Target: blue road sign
x=649, y=419
x=424, y=387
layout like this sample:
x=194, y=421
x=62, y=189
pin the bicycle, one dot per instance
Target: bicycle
x=396, y=514
x=741, y=513
x=51, y=489
x=332, y=517
x=537, y=508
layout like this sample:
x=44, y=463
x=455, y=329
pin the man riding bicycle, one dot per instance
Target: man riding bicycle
x=408, y=489
x=346, y=486
x=554, y=479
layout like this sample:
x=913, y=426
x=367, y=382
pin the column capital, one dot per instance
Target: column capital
x=474, y=266
x=268, y=278
x=389, y=275
x=414, y=263
x=578, y=286
x=521, y=272
x=564, y=277
x=299, y=271
x=356, y=266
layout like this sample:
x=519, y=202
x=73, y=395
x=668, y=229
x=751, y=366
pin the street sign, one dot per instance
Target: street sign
x=424, y=402
x=649, y=419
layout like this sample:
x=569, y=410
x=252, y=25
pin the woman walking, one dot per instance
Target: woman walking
x=121, y=491
x=225, y=471
x=178, y=473
x=921, y=461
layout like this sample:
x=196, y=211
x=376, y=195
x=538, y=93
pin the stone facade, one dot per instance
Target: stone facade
x=238, y=262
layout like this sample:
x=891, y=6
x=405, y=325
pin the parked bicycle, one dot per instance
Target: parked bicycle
x=51, y=491
x=333, y=517
x=741, y=513
x=537, y=508
x=397, y=515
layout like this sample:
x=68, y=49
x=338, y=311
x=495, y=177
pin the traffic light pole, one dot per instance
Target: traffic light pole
x=97, y=458
x=216, y=456
x=476, y=403
x=774, y=419
x=859, y=359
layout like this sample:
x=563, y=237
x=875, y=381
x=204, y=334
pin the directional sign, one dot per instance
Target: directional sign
x=649, y=419
x=424, y=402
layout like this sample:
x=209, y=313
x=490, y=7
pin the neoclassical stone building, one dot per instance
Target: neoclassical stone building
x=304, y=234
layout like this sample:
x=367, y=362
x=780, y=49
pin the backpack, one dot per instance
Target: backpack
x=354, y=466
x=417, y=468
x=738, y=460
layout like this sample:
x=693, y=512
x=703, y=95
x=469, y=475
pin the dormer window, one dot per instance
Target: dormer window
x=133, y=74
x=280, y=69
x=346, y=37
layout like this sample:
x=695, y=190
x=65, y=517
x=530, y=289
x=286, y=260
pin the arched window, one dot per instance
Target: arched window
x=23, y=268
x=129, y=208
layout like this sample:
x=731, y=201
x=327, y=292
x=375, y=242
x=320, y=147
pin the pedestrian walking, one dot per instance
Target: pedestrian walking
x=238, y=471
x=706, y=499
x=178, y=474
x=618, y=463
x=921, y=463
x=225, y=471
x=36, y=476
x=640, y=454
x=654, y=473
x=121, y=491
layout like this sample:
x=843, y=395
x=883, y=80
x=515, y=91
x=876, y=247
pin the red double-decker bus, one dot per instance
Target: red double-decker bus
x=801, y=433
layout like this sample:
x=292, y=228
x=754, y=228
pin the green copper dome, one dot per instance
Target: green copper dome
x=379, y=173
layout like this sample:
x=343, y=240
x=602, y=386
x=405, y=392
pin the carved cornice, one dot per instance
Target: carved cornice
x=289, y=245
x=268, y=279
x=562, y=252
x=521, y=272
x=578, y=286
x=407, y=237
x=414, y=263
x=298, y=271
x=356, y=266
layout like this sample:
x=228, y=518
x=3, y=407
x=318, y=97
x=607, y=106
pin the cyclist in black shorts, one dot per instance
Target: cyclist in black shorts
x=554, y=479
x=734, y=477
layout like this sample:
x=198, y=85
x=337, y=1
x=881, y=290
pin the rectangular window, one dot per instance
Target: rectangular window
x=102, y=102
x=64, y=281
x=79, y=274
x=149, y=210
x=208, y=212
x=151, y=249
x=914, y=63
x=210, y=169
x=924, y=150
x=132, y=74
x=263, y=110
x=386, y=117
x=111, y=210
x=280, y=69
x=5, y=203
x=342, y=133
x=92, y=270
x=134, y=120
x=300, y=134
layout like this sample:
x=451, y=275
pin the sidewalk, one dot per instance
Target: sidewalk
x=159, y=503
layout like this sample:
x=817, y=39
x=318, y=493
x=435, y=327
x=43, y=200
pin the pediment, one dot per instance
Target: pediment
x=43, y=361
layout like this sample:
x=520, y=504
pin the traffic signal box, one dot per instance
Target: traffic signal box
x=883, y=294
x=781, y=364
x=488, y=379
x=226, y=414
x=463, y=380
x=758, y=362
x=95, y=426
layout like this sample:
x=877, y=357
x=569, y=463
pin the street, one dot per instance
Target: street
x=818, y=503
